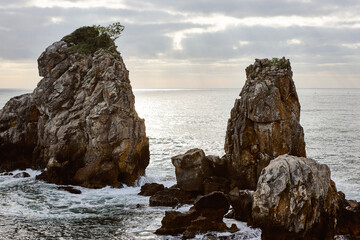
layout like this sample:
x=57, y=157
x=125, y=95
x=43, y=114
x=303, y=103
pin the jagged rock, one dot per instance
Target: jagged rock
x=264, y=122
x=191, y=169
x=18, y=133
x=149, y=189
x=213, y=183
x=348, y=221
x=80, y=122
x=206, y=215
x=22, y=175
x=171, y=197
x=295, y=199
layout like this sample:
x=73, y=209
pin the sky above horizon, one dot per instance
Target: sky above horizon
x=193, y=44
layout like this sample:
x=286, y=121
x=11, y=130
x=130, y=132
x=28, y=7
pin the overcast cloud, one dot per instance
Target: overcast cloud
x=191, y=44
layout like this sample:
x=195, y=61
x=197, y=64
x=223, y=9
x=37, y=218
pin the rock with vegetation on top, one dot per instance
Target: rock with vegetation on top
x=264, y=123
x=295, y=199
x=86, y=130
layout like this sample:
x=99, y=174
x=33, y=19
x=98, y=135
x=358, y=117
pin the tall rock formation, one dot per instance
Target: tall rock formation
x=87, y=130
x=264, y=122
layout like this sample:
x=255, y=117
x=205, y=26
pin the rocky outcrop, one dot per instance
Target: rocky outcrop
x=206, y=215
x=149, y=189
x=18, y=133
x=295, y=198
x=172, y=197
x=80, y=122
x=264, y=122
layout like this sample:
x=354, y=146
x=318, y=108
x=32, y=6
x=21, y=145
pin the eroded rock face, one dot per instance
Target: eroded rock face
x=18, y=133
x=295, y=197
x=80, y=122
x=264, y=122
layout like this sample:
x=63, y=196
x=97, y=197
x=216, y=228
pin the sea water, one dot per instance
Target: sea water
x=176, y=121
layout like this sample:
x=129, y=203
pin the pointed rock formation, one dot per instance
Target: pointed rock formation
x=85, y=130
x=264, y=122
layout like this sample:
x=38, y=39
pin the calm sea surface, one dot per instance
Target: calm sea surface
x=176, y=120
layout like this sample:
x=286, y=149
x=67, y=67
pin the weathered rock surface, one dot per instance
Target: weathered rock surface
x=80, y=122
x=241, y=201
x=196, y=172
x=18, y=133
x=206, y=215
x=264, y=122
x=295, y=198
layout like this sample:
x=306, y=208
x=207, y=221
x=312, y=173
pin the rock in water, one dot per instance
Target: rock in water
x=264, y=122
x=87, y=131
x=295, y=199
x=18, y=133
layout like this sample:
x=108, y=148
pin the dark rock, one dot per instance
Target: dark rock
x=295, y=199
x=22, y=175
x=241, y=201
x=213, y=183
x=149, y=189
x=172, y=197
x=79, y=124
x=70, y=189
x=264, y=123
x=348, y=221
x=7, y=174
x=206, y=215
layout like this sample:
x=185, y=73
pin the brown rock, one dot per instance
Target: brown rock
x=264, y=122
x=80, y=122
x=191, y=169
x=241, y=201
x=149, y=189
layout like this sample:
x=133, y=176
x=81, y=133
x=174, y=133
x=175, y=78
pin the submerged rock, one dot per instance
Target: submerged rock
x=80, y=122
x=264, y=122
x=295, y=199
x=22, y=175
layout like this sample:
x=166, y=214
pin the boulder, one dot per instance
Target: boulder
x=149, y=189
x=264, y=122
x=80, y=123
x=295, y=199
x=206, y=215
x=191, y=169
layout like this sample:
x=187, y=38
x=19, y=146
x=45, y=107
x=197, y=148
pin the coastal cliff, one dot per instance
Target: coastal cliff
x=80, y=123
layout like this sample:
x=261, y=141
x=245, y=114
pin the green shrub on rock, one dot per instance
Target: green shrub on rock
x=87, y=40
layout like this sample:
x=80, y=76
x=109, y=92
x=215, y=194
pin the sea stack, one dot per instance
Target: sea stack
x=264, y=123
x=80, y=123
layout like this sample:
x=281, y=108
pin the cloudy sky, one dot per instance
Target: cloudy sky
x=193, y=43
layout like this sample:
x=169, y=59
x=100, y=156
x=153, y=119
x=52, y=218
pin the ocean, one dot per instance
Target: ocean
x=176, y=121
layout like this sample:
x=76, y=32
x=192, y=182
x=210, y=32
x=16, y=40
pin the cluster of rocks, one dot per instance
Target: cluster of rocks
x=79, y=125
x=265, y=174
x=81, y=128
